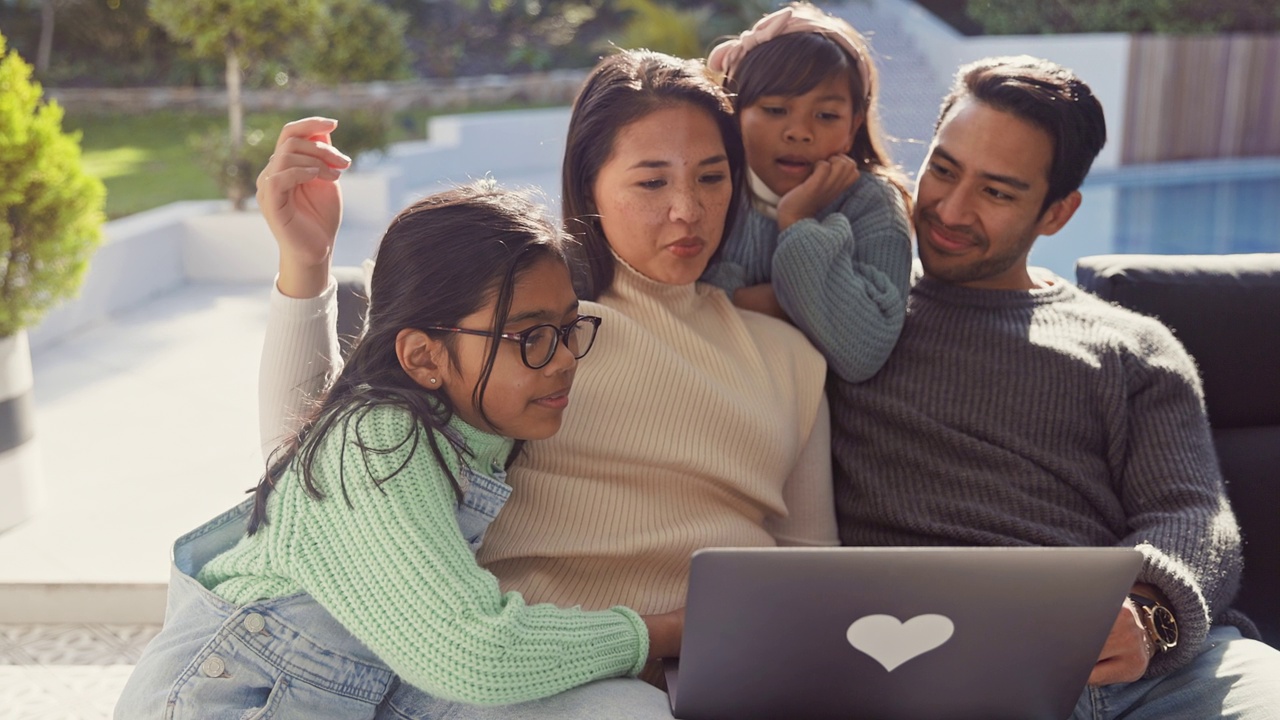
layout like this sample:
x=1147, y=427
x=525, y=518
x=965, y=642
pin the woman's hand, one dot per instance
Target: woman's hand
x=299, y=196
x=829, y=178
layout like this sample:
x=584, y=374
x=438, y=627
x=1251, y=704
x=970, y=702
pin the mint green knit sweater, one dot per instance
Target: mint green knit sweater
x=394, y=569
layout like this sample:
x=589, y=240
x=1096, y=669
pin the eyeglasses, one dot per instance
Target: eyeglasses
x=538, y=343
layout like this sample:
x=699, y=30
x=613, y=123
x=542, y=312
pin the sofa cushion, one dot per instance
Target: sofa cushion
x=1250, y=460
x=1226, y=311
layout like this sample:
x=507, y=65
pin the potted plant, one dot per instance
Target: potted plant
x=51, y=215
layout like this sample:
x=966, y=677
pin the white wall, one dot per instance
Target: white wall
x=1102, y=60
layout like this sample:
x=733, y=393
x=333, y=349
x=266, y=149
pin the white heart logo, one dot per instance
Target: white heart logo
x=891, y=642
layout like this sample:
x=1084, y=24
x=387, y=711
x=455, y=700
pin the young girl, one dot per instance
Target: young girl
x=352, y=570
x=824, y=240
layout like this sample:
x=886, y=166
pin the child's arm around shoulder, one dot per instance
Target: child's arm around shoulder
x=382, y=553
x=844, y=280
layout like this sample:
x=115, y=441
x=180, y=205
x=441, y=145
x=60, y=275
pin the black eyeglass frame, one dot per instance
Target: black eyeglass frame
x=522, y=337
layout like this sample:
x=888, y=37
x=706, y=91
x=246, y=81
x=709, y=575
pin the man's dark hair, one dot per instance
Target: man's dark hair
x=1046, y=95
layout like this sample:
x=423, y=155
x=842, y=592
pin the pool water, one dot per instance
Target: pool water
x=1228, y=216
x=1193, y=208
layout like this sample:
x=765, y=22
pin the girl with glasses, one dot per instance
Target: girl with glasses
x=351, y=570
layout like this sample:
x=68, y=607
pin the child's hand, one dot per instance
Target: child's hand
x=760, y=298
x=298, y=195
x=830, y=177
x=665, y=631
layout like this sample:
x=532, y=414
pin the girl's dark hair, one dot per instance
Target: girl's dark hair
x=620, y=90
x=795, y=63
x=441, y=259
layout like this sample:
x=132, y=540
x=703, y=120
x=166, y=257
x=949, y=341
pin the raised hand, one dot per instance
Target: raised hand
x=299, y=196
x=830, y=177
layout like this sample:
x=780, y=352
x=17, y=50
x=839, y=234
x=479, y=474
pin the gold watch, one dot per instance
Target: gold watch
x=1158, y=621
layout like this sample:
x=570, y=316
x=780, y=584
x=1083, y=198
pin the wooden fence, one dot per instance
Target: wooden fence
x=1199, y=97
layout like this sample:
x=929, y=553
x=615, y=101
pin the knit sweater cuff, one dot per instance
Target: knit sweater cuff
x=1187, y=603
x=642, y=632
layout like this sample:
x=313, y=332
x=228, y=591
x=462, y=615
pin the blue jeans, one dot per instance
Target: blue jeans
x=286, y=657
x=1231, y=678
x=616, y=699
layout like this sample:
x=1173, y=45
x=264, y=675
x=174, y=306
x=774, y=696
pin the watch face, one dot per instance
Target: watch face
x=1165, y=626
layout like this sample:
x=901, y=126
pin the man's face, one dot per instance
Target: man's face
x=978, y=198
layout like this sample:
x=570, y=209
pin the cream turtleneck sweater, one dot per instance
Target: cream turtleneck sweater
x=686, y=428
x=691, y=424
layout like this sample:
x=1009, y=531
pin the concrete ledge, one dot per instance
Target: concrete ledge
x=82, y=602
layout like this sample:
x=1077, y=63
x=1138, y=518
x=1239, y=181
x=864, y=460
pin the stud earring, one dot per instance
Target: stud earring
x=433, y=381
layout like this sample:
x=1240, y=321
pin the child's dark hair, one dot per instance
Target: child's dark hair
x=796, y=62
x=441, y=259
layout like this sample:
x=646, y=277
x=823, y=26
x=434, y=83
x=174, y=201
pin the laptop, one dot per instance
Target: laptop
x=895, y=633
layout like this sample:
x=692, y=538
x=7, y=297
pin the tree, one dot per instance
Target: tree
x=300, y=32
x=50, y=208
x=1163, y=16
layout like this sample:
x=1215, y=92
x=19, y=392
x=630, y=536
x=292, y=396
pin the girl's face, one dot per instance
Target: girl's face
x=785, y=135
x=521, y=402
x=664, y=192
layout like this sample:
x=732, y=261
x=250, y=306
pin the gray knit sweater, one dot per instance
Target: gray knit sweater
x=1044, y=417
x=841, y=277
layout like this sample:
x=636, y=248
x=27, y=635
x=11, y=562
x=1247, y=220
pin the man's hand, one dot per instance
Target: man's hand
x=760, y=298
x=830, y=177
x=298, y=195
x=1127, y=652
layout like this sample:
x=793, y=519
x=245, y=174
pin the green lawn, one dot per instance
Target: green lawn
x=148, y=160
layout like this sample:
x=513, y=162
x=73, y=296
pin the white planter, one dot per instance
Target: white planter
x=21, y=476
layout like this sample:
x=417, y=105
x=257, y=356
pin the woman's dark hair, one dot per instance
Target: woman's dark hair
x=1046, y=95
x=620, y=90
x=440, y=260
x=795, y=63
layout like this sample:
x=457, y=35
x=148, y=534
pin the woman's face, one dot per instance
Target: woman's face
x=664, y=192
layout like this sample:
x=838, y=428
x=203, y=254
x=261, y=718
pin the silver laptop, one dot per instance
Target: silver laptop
x=895, y=633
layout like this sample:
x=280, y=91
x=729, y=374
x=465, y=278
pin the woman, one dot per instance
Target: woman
x=693, y=424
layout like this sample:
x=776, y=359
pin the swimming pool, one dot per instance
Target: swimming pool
x=1171, y=209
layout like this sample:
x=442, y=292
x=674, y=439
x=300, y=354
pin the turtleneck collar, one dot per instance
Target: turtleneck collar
x=631, y=285
x=488, y=449
x=764, y=200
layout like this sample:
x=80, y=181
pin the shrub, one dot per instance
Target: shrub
x=51, y=209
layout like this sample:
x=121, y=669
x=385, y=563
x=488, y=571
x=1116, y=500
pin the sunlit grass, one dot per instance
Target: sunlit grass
x=145, y=161
x=148, y=160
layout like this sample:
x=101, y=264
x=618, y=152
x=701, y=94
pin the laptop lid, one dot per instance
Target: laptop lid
x=895, y=633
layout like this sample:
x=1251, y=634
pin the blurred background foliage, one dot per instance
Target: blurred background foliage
x=1033, y=17
x=116, y=43
x=151, y=159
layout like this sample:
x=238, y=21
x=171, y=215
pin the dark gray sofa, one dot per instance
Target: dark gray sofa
x=1226, y=311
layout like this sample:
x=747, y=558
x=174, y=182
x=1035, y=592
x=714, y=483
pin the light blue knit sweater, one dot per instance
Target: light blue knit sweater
x=842, y=277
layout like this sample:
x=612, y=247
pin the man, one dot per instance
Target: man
x=1019, y=410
